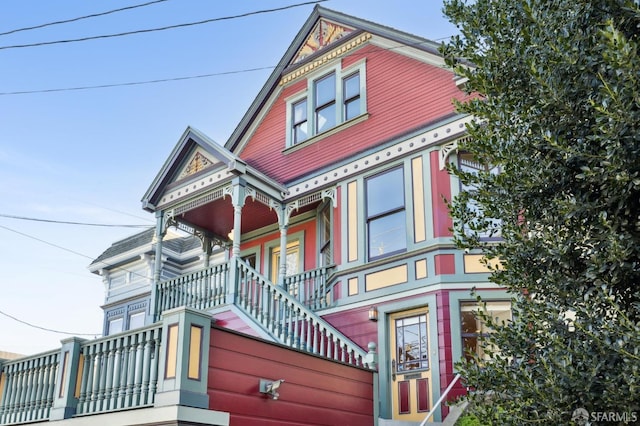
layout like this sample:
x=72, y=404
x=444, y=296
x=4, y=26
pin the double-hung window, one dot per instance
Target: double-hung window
x=386, y=214
x=474, y=328
x=468, y=164
x=330, y=99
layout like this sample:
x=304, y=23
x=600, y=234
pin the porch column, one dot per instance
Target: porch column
x=237, y=199
x=65, y=399
x=284, y=225
x=157, y=270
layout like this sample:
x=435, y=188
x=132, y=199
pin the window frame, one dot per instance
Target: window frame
x=310, y=95
x=386, y=213
x=484, y=331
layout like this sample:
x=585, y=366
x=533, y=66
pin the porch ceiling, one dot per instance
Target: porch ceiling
x=217, y=216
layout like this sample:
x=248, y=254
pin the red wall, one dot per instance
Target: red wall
x=402, y=94
x=316, y=391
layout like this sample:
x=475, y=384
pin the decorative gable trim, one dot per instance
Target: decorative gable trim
x=197, y=163
x=331, y=55
x=322, y=35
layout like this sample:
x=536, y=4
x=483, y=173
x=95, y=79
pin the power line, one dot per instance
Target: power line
x=48, y=24
x=134, y=83
x=64, y=222
x=169, y=27
x=48, y=329
x=45, y=242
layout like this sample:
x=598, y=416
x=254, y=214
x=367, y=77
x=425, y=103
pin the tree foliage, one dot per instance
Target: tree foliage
x=558, y=112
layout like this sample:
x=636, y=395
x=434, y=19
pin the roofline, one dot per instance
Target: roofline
x=271, y=84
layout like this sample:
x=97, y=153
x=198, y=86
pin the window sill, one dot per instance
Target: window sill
x=326, y=134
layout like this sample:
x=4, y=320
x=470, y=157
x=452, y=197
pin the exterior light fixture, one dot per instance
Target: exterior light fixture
x=270, y=387
x=373, y=313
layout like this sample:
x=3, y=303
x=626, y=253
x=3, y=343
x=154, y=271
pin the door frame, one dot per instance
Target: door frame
x=384, y=347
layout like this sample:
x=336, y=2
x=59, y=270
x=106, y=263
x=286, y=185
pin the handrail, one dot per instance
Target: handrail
x=290, y=321
x=439, y=401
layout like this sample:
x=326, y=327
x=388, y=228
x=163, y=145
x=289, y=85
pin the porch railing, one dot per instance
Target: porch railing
x=310, y=287
x=120, y=371
x=202, y=289
x=29, y=385
x=290, y=321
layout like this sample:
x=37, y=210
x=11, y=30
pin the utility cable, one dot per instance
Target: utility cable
x=94, y=15
x=135, y=83
x=64, y=222
x=168, y=27
x=48, y=329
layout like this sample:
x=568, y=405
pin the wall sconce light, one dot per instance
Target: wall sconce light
x=373, y=313
x=270, y=387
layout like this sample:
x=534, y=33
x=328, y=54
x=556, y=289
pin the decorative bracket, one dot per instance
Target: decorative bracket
x=445, y=150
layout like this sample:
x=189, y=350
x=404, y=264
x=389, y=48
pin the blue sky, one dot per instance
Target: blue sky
x=89, y=155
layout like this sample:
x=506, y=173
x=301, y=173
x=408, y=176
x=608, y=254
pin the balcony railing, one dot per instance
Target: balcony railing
x=29, y=388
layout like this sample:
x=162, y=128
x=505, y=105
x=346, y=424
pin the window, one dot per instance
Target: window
x=386, y=216
x=473, y=326
x=330, y=100
x=469, y=165
x=326, y=256
x=136, y=320
x=116, y=325
x=292, y=261
x=411, y=343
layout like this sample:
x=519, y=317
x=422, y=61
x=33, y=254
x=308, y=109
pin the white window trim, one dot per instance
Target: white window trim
x=341, y=74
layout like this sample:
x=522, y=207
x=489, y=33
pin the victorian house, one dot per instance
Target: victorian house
x=317, y=234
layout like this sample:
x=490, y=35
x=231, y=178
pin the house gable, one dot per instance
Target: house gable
x=337, y=46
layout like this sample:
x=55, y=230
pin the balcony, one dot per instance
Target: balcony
x=182, y=370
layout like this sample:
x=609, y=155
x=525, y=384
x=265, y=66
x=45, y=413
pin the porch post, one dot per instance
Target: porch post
x=65, y=400
x=157, y=270
x=237, y=200
x=284, y=225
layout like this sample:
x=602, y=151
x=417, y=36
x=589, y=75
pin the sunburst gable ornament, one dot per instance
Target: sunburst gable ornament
x=323, y=34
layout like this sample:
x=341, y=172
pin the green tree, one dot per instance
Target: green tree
x=558, y=113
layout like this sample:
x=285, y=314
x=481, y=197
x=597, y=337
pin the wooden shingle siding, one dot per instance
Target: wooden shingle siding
x=402, y=94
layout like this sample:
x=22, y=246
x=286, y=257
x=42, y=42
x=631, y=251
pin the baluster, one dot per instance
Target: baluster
x=122, y=388
x=108, y=375
x=26, y=398
x=12, y=383
x=296, y=332
x=137, y=386
x=155, y=354
x=53, y=363
x=115, y=378
x=19, y=393
x=144, y=391
x=130, y=373
x=34, y=413
x=86, y=359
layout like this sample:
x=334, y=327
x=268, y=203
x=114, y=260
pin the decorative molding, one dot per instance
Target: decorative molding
x=445, y=150
x=430, y=138
x=323, y=34
x=329, y=56
x=194, y=186
x=198, y=163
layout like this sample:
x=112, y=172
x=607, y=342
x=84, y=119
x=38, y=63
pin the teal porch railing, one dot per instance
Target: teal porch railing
x=203, y=289
x=120, y=371
x=291, y=322
x=310, y=287
x=28, y=388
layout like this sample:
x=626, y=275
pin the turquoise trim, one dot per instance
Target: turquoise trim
x=455, y=297
x=384, y=347
x=275, y=244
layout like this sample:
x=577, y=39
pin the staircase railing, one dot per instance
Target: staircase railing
x=120, y=371
x=29, y=388
x=290, y=321
x=310, y=287
x=436, y=406
x=202, y=289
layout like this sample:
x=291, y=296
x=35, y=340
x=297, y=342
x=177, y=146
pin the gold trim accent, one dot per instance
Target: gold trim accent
x=419, y=220
x=386, y=278
x=172, y=352
x=352, y=220
x=195, y=346
x=473, y=264
x=421, y=269
x=332, y=54
x=353, y=286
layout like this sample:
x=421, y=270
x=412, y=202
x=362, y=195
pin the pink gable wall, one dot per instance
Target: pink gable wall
x=402, y=94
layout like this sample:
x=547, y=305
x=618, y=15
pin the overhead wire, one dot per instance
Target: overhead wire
x=167, y=27
x=65, y=222
x=47, y=329
x=93, y=15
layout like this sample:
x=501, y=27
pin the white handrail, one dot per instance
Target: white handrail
x=439, y=401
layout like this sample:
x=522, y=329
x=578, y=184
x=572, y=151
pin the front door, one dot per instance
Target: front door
x=410, y=364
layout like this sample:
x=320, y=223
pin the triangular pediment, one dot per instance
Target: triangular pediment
x=324, y=34
x=198, y=161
